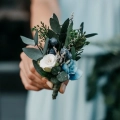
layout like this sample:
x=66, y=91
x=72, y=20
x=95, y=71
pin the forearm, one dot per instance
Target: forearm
x=41, y=10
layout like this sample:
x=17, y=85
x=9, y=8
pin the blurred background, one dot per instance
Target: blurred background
x=15, y=21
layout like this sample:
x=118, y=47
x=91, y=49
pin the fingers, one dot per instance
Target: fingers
x=29, y=76
x=27, y=83
x=63, y=86
x=32, y=80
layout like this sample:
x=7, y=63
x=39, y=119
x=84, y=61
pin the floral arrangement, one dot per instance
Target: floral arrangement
x=58, y=50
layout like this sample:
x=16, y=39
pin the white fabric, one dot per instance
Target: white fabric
x=102, y=17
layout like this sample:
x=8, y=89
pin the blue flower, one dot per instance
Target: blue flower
x=65, y=68
x=75, y=76
x=71, y=69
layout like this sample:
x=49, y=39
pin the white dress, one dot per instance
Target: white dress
x=102, y=17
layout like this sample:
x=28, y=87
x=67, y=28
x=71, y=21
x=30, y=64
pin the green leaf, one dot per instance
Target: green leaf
x=51, y=34
x=55, y=25
x=87, y=43
x=36, y=37
x=77, y=58
x=27, y=40
x=81, y=27
x=55, y=17
x=55, y=70
x=63, y=32
x=90, y=35
x=62, y=76
x=54, y=80
x=33, y=53
x=40, y=70
x=45, y=46
x=69, y=29
x=73, y=52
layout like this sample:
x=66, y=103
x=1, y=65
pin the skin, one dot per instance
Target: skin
x=41, y=10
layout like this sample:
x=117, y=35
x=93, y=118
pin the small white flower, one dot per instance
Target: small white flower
x=47, y=62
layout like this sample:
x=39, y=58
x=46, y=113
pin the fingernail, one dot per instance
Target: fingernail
x=63, y=87
x=49, y=84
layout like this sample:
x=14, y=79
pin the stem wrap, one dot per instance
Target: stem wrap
x=56, y=88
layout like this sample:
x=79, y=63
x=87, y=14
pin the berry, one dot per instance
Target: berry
x=63, y=50
x=53, y=41
x=52, y=51
x=68, y=56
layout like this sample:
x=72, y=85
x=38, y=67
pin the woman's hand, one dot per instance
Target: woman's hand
x=31, y=79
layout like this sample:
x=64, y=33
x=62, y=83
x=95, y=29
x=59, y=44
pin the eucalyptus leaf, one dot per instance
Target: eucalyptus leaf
x=55, y=25
x=54, y=80
x=27, y=40
x=36, y=37
x=45, y=46
x=69, y=29
x=33, y=53
x=55, y=70
x=90, y=35
x=40, y=70
x=62, y=76
x=73, y=52
x=55, y=17
x=51, y=34
x=63, y=31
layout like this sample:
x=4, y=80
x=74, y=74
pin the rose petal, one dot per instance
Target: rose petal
x=48, y=61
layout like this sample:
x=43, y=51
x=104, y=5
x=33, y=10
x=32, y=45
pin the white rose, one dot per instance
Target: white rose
x=47, y=62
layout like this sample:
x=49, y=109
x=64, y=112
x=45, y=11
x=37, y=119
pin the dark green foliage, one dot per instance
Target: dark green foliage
x=107, y=65
x=81, y=27
x=36, y=37
x=55, y=17
x=90, y=35
x=77, y=58
x=46, y=46
x=63, y=31
x=27, y=40
x=55, y=81
x=62, y=76
x=55, y=25
x=73, y=53
x=51, y=34
x=55, y=70
x=69, y=29
x=33, y=53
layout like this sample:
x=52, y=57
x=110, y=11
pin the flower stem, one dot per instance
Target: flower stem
x=56, y=88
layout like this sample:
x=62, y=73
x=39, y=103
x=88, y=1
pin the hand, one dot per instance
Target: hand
x=33, y=80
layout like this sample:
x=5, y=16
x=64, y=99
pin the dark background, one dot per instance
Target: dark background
x=14, y=21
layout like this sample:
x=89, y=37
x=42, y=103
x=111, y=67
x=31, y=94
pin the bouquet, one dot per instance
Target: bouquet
x=59, y=47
